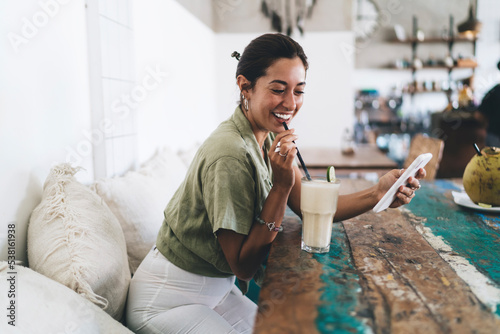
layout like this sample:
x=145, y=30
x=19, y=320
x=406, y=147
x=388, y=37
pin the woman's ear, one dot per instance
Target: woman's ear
x=242, y=83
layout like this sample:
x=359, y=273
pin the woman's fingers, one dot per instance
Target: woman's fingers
x=407, y=192
x=282, y=154
x=403, y=196
x=284, y=144
x=287, y=148
x=413, y=183
x=421, y=173
x=287, y=142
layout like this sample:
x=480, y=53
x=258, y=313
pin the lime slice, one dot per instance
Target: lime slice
x=484, y=205
x=330, y=174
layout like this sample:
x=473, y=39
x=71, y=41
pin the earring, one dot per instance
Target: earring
x=245, y=103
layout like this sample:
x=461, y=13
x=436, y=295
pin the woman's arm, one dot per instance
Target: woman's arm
x=294, y=197
x=354, y=204
x=245, y=253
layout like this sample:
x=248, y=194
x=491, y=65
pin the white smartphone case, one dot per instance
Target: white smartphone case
x=412, y=170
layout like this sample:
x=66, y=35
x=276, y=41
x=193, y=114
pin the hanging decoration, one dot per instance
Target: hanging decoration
x=471, y=27
x=286, y=15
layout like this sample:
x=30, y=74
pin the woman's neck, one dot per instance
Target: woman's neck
x=260, y=135
x=261, y=138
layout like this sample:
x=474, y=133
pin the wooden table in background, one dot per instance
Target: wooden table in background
x=433, y=267
x=367, y=158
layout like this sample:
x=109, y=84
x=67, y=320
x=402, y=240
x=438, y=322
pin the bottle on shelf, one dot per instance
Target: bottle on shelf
x=465, y=96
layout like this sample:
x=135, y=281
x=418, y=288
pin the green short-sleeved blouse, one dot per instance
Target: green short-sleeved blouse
x=225, y=187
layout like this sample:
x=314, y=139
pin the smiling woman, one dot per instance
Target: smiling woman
x=222, y=220
x=227, y=212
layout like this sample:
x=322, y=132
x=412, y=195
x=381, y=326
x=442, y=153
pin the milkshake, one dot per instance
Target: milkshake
x=318, y=203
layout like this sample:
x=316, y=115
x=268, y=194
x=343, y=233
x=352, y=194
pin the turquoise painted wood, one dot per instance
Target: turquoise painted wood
x=474, y=235
x=341, y=284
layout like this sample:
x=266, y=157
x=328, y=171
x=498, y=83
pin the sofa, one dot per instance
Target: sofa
x=84, y=243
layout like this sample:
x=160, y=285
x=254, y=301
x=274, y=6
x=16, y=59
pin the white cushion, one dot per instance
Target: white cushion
x=139, y=198
x=42, y=305
x=76, y=240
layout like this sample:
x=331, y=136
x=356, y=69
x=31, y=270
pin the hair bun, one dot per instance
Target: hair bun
x=236, y=55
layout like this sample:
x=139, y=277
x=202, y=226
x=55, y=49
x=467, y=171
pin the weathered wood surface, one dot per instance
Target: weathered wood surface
x=407, y=285
x=290, y=294
x=400, y=283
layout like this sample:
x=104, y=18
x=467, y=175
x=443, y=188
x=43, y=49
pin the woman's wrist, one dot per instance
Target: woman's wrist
x=281, y=190
x=377, y=193
x=274, y=207
x=370, y=196
x=270, y=225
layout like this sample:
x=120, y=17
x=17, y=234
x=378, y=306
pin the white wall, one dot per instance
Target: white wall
x=329, y=101
x=227, y=93
x=328, y=105
x=44, y=104
x=180, y=112
x=114, y=93
x=488, y=47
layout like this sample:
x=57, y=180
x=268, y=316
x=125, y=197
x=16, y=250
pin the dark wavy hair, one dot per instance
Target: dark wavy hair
x=263, y=51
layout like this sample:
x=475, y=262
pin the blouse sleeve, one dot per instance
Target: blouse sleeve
x=229, y=195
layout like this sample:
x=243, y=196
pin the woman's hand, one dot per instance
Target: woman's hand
x=405, y=193
x=282, y=154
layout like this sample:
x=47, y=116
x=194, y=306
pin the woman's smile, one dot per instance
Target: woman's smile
x=284, y=117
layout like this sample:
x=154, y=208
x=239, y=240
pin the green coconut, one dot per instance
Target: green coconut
x=482, y=177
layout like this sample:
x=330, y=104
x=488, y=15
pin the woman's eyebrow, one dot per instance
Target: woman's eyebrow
x=285, y=83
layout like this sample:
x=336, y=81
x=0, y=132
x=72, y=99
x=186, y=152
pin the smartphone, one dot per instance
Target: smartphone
x=412, y=170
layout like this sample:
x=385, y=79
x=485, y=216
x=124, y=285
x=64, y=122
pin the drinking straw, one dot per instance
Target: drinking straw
x=300, y=157
x=477, y=149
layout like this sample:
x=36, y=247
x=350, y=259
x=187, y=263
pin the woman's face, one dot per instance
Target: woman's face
x=277, y=96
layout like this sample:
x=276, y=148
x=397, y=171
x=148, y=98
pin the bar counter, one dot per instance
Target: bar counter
x=429, y=267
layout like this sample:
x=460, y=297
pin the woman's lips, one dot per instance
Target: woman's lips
x=283, y=116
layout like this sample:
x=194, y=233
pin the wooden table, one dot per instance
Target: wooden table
x=367, y=158
x=432, y=267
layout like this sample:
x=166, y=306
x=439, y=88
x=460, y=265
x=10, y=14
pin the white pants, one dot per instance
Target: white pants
x=166, y=299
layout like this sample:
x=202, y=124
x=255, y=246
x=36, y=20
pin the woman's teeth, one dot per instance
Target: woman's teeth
x=283, y=116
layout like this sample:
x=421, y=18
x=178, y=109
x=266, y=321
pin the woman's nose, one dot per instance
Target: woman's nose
x=289, y=101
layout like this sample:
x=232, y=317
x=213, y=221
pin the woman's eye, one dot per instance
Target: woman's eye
x=281, y=91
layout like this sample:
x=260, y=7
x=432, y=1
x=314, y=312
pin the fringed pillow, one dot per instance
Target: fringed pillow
x=74, y=239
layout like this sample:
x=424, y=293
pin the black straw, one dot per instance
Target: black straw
x=300, y=157
x=477, y=149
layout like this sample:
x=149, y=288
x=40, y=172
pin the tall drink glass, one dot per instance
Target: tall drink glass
x=318, y=204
